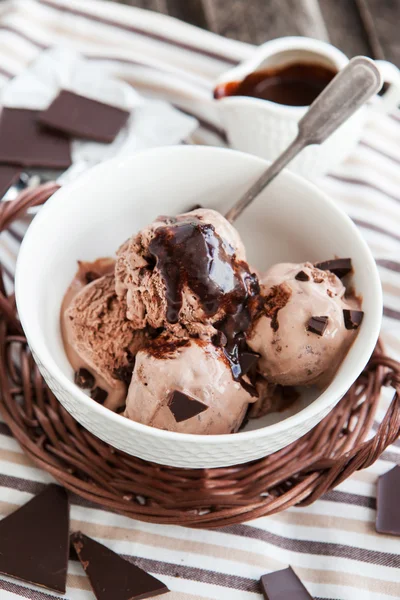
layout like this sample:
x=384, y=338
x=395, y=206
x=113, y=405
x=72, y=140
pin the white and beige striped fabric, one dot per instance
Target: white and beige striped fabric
x=332, y=545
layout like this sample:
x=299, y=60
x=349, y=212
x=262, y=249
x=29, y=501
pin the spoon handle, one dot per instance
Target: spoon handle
x=347, y=92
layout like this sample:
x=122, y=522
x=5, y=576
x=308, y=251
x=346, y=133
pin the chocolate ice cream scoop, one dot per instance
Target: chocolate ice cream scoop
x=100, y=341
x=187, y=387
x=187, y=271
x=302, y=334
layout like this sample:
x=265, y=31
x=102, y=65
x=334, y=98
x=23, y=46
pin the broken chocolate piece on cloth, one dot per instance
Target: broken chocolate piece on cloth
x=339, y=266
x=83, y=117
x=283, y=585
x=34, y=540
x=317, y=325
x=23, y=141
x=387, y=502
x=111, y=576
x=183, y=407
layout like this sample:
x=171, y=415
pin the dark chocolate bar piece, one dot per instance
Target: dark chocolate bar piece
x=283, y=585
x=34, y=540
x=183, y=407
x=83, y=117
x=339, y=266
x=8, y=175
x=111, y=576
x=24, y=142
x=387, y=502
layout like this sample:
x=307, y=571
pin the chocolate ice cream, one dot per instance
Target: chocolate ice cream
x=183, y=272
x=301, y=333
x=100, y=341
x=187, y=388
x=198, y=338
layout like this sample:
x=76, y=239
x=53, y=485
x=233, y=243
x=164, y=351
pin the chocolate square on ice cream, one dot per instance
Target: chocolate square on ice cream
x=183, y=407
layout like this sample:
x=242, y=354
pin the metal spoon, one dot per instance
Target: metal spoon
x=347, y=92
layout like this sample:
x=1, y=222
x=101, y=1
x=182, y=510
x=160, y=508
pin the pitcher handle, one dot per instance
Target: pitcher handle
x=390, y=99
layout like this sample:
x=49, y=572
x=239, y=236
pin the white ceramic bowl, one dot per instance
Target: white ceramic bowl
x=291, y=221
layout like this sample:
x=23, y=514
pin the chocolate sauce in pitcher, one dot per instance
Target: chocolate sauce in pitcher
x=295, y=84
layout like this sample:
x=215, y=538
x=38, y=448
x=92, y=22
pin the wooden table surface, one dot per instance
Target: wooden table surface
x=370, y=27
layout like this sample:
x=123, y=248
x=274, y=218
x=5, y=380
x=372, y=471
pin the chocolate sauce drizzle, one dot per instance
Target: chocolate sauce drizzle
x=191, y=255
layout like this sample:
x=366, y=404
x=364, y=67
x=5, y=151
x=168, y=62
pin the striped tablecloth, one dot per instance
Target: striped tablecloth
x=332, y=545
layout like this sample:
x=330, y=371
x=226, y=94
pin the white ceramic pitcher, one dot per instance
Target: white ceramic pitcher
x=265, y=128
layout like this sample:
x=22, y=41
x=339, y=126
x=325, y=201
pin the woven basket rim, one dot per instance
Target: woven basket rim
x=296, y=475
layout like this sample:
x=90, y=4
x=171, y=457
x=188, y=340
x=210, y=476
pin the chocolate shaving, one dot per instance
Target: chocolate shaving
x=317, y=325
x=302, y=276
x=84, y=379
x=184, y=407
x=339, y=266
x=111, y=576
x=283, y=585
x=277, y=299
x=388, y=507
x=352, y=318
x=99, y=395
x=34, y=540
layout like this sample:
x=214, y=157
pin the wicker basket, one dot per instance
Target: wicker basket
x=296, y=475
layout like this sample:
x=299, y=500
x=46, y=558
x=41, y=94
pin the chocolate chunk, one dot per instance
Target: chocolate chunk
x=277, y=299
x=99, y=395
x=8, y=176
x=219, y=339
x=283, y=585
x=339, y=266
x=352, y=318
x=34, y=540
x=84, y=379
x=302, y=276
x=91, y=276
x=111, y=576
x=248, y=360
x=387, y=503
x=124, y=373
x=24, y=142
x=82, y=117
x=183, y=407
x=317, y=325
x=249, y=388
